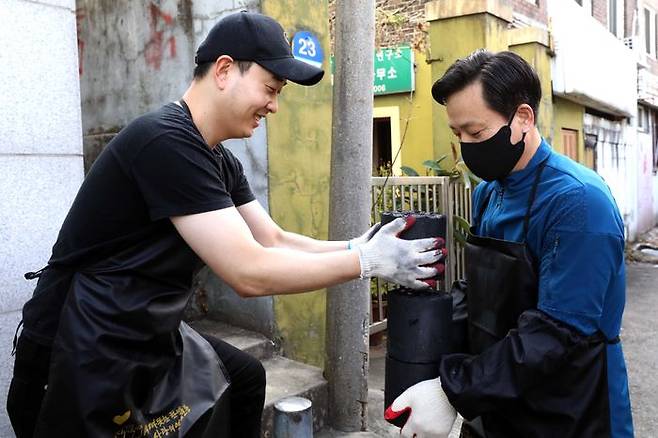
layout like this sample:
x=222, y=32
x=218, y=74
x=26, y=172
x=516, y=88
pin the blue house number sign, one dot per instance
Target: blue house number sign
x=306, y=47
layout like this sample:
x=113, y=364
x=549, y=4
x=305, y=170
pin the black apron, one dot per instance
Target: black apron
x=502, y=293
x=123, y=364
x=502, y=281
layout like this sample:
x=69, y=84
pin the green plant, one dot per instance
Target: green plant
x=461, y=229
x=435, y=168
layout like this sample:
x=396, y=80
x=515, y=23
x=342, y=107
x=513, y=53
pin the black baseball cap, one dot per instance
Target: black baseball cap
x=249, y=36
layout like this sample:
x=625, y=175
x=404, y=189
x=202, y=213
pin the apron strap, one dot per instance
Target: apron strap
x=531, y=199
x=13, y=349
x=483, y=207
x=37, y=274
x=600, y=337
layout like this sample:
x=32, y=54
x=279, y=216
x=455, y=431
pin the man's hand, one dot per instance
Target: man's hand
x=364, y=238
x=430, y=413
x=405, y=262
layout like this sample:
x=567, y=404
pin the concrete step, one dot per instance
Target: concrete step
x=250, y=342
x=286, y=378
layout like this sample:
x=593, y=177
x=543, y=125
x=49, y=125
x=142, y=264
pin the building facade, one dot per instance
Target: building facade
x=597, y=60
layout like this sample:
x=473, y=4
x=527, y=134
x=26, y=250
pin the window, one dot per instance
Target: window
x=570, y=143
x=616, y=17
x=649, y=31
x=642, y=119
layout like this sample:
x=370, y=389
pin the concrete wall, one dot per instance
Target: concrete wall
x=299, y=149
x=40, y=150
x=588, y=58
x=137, y=56
x=645, y=199
x=534, y=45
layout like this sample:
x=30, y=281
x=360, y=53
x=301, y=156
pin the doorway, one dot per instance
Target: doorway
x=386, y=156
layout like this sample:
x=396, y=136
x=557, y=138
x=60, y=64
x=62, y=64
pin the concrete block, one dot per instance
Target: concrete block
x=39, y=79
x=35, y=195
x=250, y=342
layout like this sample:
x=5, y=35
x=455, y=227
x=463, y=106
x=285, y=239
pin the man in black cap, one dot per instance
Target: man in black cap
x=103, y=351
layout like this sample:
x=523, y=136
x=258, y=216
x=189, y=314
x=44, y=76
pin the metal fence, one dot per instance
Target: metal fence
x=431, y=194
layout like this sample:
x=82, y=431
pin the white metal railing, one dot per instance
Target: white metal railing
x=431, y=194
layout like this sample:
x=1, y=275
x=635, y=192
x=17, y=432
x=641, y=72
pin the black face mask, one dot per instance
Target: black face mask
x=495, y=157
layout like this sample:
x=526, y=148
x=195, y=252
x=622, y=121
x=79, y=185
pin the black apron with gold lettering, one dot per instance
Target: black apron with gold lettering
x=123, y=364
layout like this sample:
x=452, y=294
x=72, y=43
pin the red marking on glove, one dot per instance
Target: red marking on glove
x=440, y=242
x=430, y=282
x=391, y=415
x=409, y=222
x=444, y=251
x=440, y=268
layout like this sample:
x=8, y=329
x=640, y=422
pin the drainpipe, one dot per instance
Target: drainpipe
x=346, y=367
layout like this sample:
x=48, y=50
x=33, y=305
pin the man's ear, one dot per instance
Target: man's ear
x=526, y=117
x=221, y=71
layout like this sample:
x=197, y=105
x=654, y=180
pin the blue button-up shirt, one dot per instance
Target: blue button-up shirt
x=576, y=235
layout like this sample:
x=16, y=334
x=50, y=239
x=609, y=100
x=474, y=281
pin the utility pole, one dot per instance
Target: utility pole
x=349, y=211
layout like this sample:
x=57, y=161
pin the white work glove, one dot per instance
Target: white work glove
x=364, y=238
x=430, y=413
x=400, y=261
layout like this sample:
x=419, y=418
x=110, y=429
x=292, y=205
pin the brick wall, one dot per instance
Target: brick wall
x=536, y=10
x=403, y=21
x=397, y=22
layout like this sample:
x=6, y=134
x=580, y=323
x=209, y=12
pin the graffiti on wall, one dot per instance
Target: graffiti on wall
x=80, y=15
x=161, y=42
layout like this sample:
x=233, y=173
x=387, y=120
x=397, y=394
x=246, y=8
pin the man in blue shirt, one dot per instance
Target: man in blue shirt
x=545, y=273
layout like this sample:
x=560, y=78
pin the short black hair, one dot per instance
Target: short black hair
x=507, y=81
x=201, y=69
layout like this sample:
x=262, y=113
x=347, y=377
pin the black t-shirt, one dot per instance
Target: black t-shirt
x=157, y=167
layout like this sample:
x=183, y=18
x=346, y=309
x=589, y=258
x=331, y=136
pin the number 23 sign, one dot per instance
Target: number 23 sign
x=306, y=47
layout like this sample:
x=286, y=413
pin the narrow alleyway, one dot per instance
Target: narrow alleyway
x=640, y=341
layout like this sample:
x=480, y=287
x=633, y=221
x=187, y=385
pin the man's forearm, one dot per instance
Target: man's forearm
x=300, y=242
x=274, y=271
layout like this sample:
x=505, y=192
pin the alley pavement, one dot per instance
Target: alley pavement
x=640, y=342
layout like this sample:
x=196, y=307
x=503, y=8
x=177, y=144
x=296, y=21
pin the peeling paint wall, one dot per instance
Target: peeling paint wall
x=299, y=147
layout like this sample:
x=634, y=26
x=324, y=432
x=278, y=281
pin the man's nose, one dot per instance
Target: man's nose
x=273, y=105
